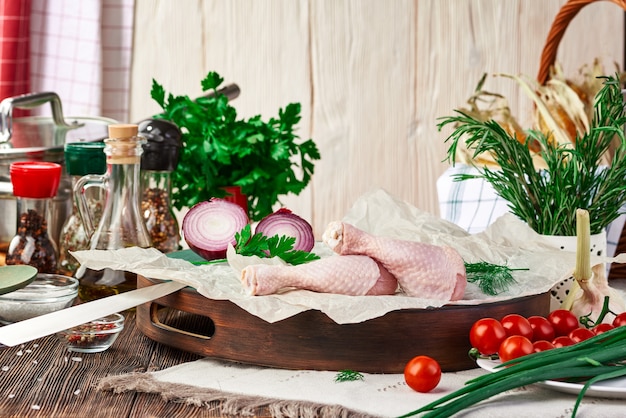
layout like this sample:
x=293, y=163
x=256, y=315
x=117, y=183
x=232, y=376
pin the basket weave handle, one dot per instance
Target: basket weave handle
x=562, y=19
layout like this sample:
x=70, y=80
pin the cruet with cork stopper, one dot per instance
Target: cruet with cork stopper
x=121, y=224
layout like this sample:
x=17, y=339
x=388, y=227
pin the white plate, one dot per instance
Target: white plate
x=612, y=388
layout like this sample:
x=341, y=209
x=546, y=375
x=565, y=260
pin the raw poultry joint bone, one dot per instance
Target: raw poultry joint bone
x=354, y=275
x=422, y=270
x=367, y=265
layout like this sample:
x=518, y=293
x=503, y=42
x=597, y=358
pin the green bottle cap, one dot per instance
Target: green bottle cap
x=82, y=158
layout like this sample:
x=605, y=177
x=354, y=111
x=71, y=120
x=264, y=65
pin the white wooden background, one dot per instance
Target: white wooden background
x=373, y=76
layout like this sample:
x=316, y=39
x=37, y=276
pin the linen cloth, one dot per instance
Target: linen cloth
x=297, y=393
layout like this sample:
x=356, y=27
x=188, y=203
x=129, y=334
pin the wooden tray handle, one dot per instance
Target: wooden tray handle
x=562, y=19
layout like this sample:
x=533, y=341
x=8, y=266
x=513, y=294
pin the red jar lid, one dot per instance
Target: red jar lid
x=35, y=179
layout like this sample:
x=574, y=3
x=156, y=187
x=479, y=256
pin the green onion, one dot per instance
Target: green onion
x=597, y=358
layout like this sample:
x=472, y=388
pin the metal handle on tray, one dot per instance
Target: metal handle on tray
x=30, y=101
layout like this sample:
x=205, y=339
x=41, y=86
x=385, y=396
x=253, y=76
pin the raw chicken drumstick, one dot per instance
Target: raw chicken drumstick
x=422, y=270
x=354, y=275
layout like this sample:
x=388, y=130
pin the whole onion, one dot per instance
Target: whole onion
x=284, y=222
x=210, y=226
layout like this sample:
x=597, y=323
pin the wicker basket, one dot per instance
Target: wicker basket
x=559, y=25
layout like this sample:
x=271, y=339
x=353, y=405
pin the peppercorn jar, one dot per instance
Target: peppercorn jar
x=158, y=161
x=81, y=159
x=121, y=224
x=34, y=183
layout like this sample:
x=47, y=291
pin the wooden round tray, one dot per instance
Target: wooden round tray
x=310, y=340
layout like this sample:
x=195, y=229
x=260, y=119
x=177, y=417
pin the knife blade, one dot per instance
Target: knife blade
x=43, y=325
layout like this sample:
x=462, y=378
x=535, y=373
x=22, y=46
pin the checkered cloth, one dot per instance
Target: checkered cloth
x=82, y=51
x=14, y=50
x=474, y=205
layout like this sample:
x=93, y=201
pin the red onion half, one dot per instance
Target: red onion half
x=210, y=226
x=284, y=222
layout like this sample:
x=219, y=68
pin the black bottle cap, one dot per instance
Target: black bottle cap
x=163, y=142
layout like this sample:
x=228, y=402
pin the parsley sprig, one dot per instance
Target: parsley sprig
x=221, y=150
x=262, y=246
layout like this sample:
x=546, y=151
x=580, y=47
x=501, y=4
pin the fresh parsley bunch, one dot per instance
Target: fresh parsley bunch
x=220, y=150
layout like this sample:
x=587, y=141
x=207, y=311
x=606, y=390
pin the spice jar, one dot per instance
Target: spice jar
x=34, y=185
x=121, y=224
x=159, y=159
x=81, y=159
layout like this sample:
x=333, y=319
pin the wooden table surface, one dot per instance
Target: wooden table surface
x=43, y=379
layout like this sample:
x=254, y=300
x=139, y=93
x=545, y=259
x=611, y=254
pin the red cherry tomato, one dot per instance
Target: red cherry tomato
x=580, y=334
x=563, y=321
x=542, y=328
x=515, y=324
x=600, y=328
x=515, y=346
x=486, y=335
x=620, y=320
x=422, y=373
x=542, y=345
x=562, y=341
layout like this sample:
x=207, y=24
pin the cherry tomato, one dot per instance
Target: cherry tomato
x=620, y=320
x=515, y=324
x=600, y=328
x=515, y=346
x=563, y=321
x=562, y=341
x=422, y=373
x=542, y=328
x=580, y=334
x=542, y=345
x=486, y=335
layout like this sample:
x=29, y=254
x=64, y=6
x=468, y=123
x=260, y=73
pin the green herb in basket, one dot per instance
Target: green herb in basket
x=574, y=178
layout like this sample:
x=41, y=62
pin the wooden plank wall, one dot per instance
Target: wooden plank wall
x=372, y=76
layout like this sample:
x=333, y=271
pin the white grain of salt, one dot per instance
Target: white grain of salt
x=77, y=359
x=5, y=368
x=77, y=391
x=11, y=395
x=19, y=353
x=35, y=407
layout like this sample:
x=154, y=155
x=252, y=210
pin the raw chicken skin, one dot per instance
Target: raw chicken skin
x=354, y=275
x=422, y=270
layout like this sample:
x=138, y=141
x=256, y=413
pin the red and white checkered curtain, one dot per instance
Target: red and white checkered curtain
x=14, y=48
x=79, y=49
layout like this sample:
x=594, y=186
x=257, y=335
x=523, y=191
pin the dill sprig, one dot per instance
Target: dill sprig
x=348, y=375
x=574, y=178
x=492, y=279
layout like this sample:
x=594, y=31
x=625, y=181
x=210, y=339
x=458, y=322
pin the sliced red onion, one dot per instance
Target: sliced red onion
x=210, y=226
x=284, y=222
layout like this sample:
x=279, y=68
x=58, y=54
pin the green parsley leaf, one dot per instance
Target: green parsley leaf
x=265, y=158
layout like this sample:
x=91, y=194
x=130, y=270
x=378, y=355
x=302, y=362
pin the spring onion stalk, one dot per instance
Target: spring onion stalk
x=598, y=358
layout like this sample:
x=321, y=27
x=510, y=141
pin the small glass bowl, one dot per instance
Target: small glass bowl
x=47, y=293
x=95, y=336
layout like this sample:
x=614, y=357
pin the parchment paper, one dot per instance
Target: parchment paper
x=507, y=241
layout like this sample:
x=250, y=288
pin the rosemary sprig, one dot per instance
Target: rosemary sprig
x=574, y=178
x=348, y=375
x=492, y=279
